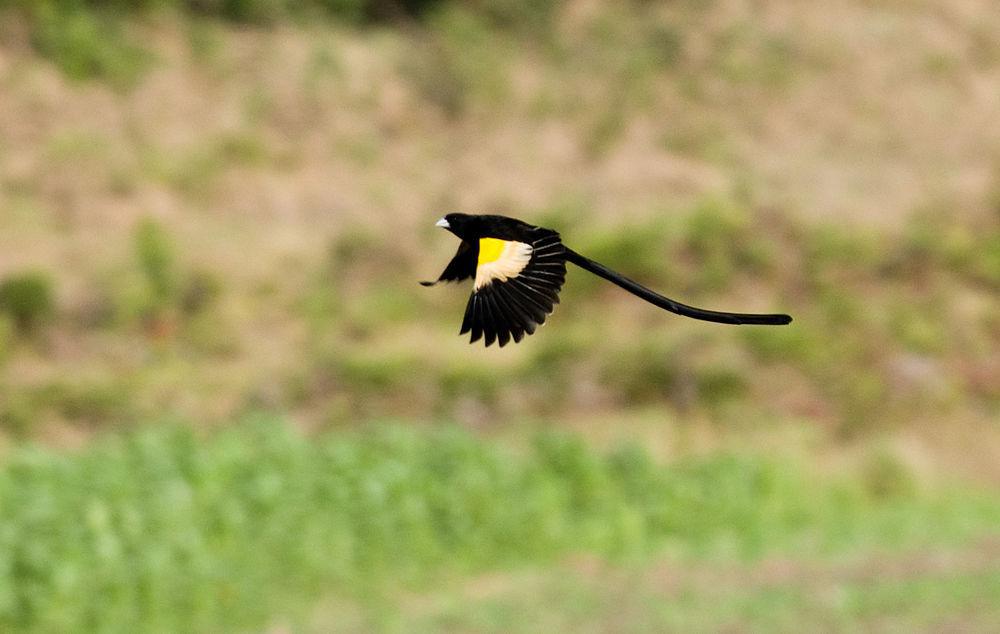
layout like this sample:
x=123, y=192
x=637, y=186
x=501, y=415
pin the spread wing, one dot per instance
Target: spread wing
x=516, y=286
x=461, y=267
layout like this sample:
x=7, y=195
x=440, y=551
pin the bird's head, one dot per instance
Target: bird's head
x=462, y=225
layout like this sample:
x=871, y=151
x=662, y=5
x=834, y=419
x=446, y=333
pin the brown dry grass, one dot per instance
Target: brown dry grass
x=862, y=111
x=260, y=148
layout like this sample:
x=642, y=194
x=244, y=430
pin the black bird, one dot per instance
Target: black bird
x=518, y=270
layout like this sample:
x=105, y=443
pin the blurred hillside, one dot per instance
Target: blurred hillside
x=223, y=214
x=213, y=218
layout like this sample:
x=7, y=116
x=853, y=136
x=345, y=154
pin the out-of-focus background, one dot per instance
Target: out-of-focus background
x=226, y=404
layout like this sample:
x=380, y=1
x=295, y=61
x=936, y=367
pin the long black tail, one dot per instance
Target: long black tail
x=668, y=304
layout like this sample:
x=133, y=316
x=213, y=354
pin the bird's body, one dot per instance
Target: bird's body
x=518, y=270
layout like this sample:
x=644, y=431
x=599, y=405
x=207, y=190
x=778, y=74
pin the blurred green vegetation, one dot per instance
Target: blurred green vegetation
x=27, y=300
x=162, y=530
x=91, y=38
x=156, y=262
x=514, y=13
x=85, y=42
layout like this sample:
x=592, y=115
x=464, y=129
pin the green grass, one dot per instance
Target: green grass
x=164, y=531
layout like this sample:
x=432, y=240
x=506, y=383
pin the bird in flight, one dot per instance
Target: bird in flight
x=518, y=269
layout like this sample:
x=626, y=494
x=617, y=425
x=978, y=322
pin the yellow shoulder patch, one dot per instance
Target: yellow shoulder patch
x=490, y=250
x=500, y=260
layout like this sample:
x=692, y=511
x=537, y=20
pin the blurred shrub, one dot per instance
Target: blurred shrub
x=28, y=299
x=450, y=67
x=93, y=402
x=165, y=297
x=86, y=42
x=802, y=343
x=367, y=372
x=835, y=255
x=480, y=381
x=158, y=294
x=885, y=476
x=358, y=254
x=988, y=264
x=193, y=172
x=243, y=148
x=511, y=14
x=918, y=327
x=717, y=236
x=155, y=254
x=87, y=39
x=721, y=384
x=200, y=290
x=7, y=335
x=705, y=247
x=606, y=128
x=639, y=251
x=211, y=334
x=554, y=353
x=387, y=304
x=254, y=11
x=531, y=15
x=17, y=414
x=664, y=43
x=204, y=42
x=647, y=369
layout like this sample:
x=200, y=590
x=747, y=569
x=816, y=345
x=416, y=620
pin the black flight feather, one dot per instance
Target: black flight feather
x=511, y=306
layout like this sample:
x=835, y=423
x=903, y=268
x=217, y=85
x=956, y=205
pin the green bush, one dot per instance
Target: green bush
x=640, y=251
x=884, y=476
x=646, y=370
x=199, y=292
x=481, y=381
x=716, y=236
x=8, y=333
x=88, y=39
x=984, y=264
x=28, y=299
x=721, y=384
x=254, y=11
x=514, y=14
x=832, y=255
x=87, y=401
x=87, y=43
x=436, y=73
x=155, y=254
x=17, y=414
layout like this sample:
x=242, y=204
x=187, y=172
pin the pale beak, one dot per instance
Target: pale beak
x=442, y=223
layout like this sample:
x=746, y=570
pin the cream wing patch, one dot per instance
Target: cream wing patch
x=500, y=260
x=517, y=287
